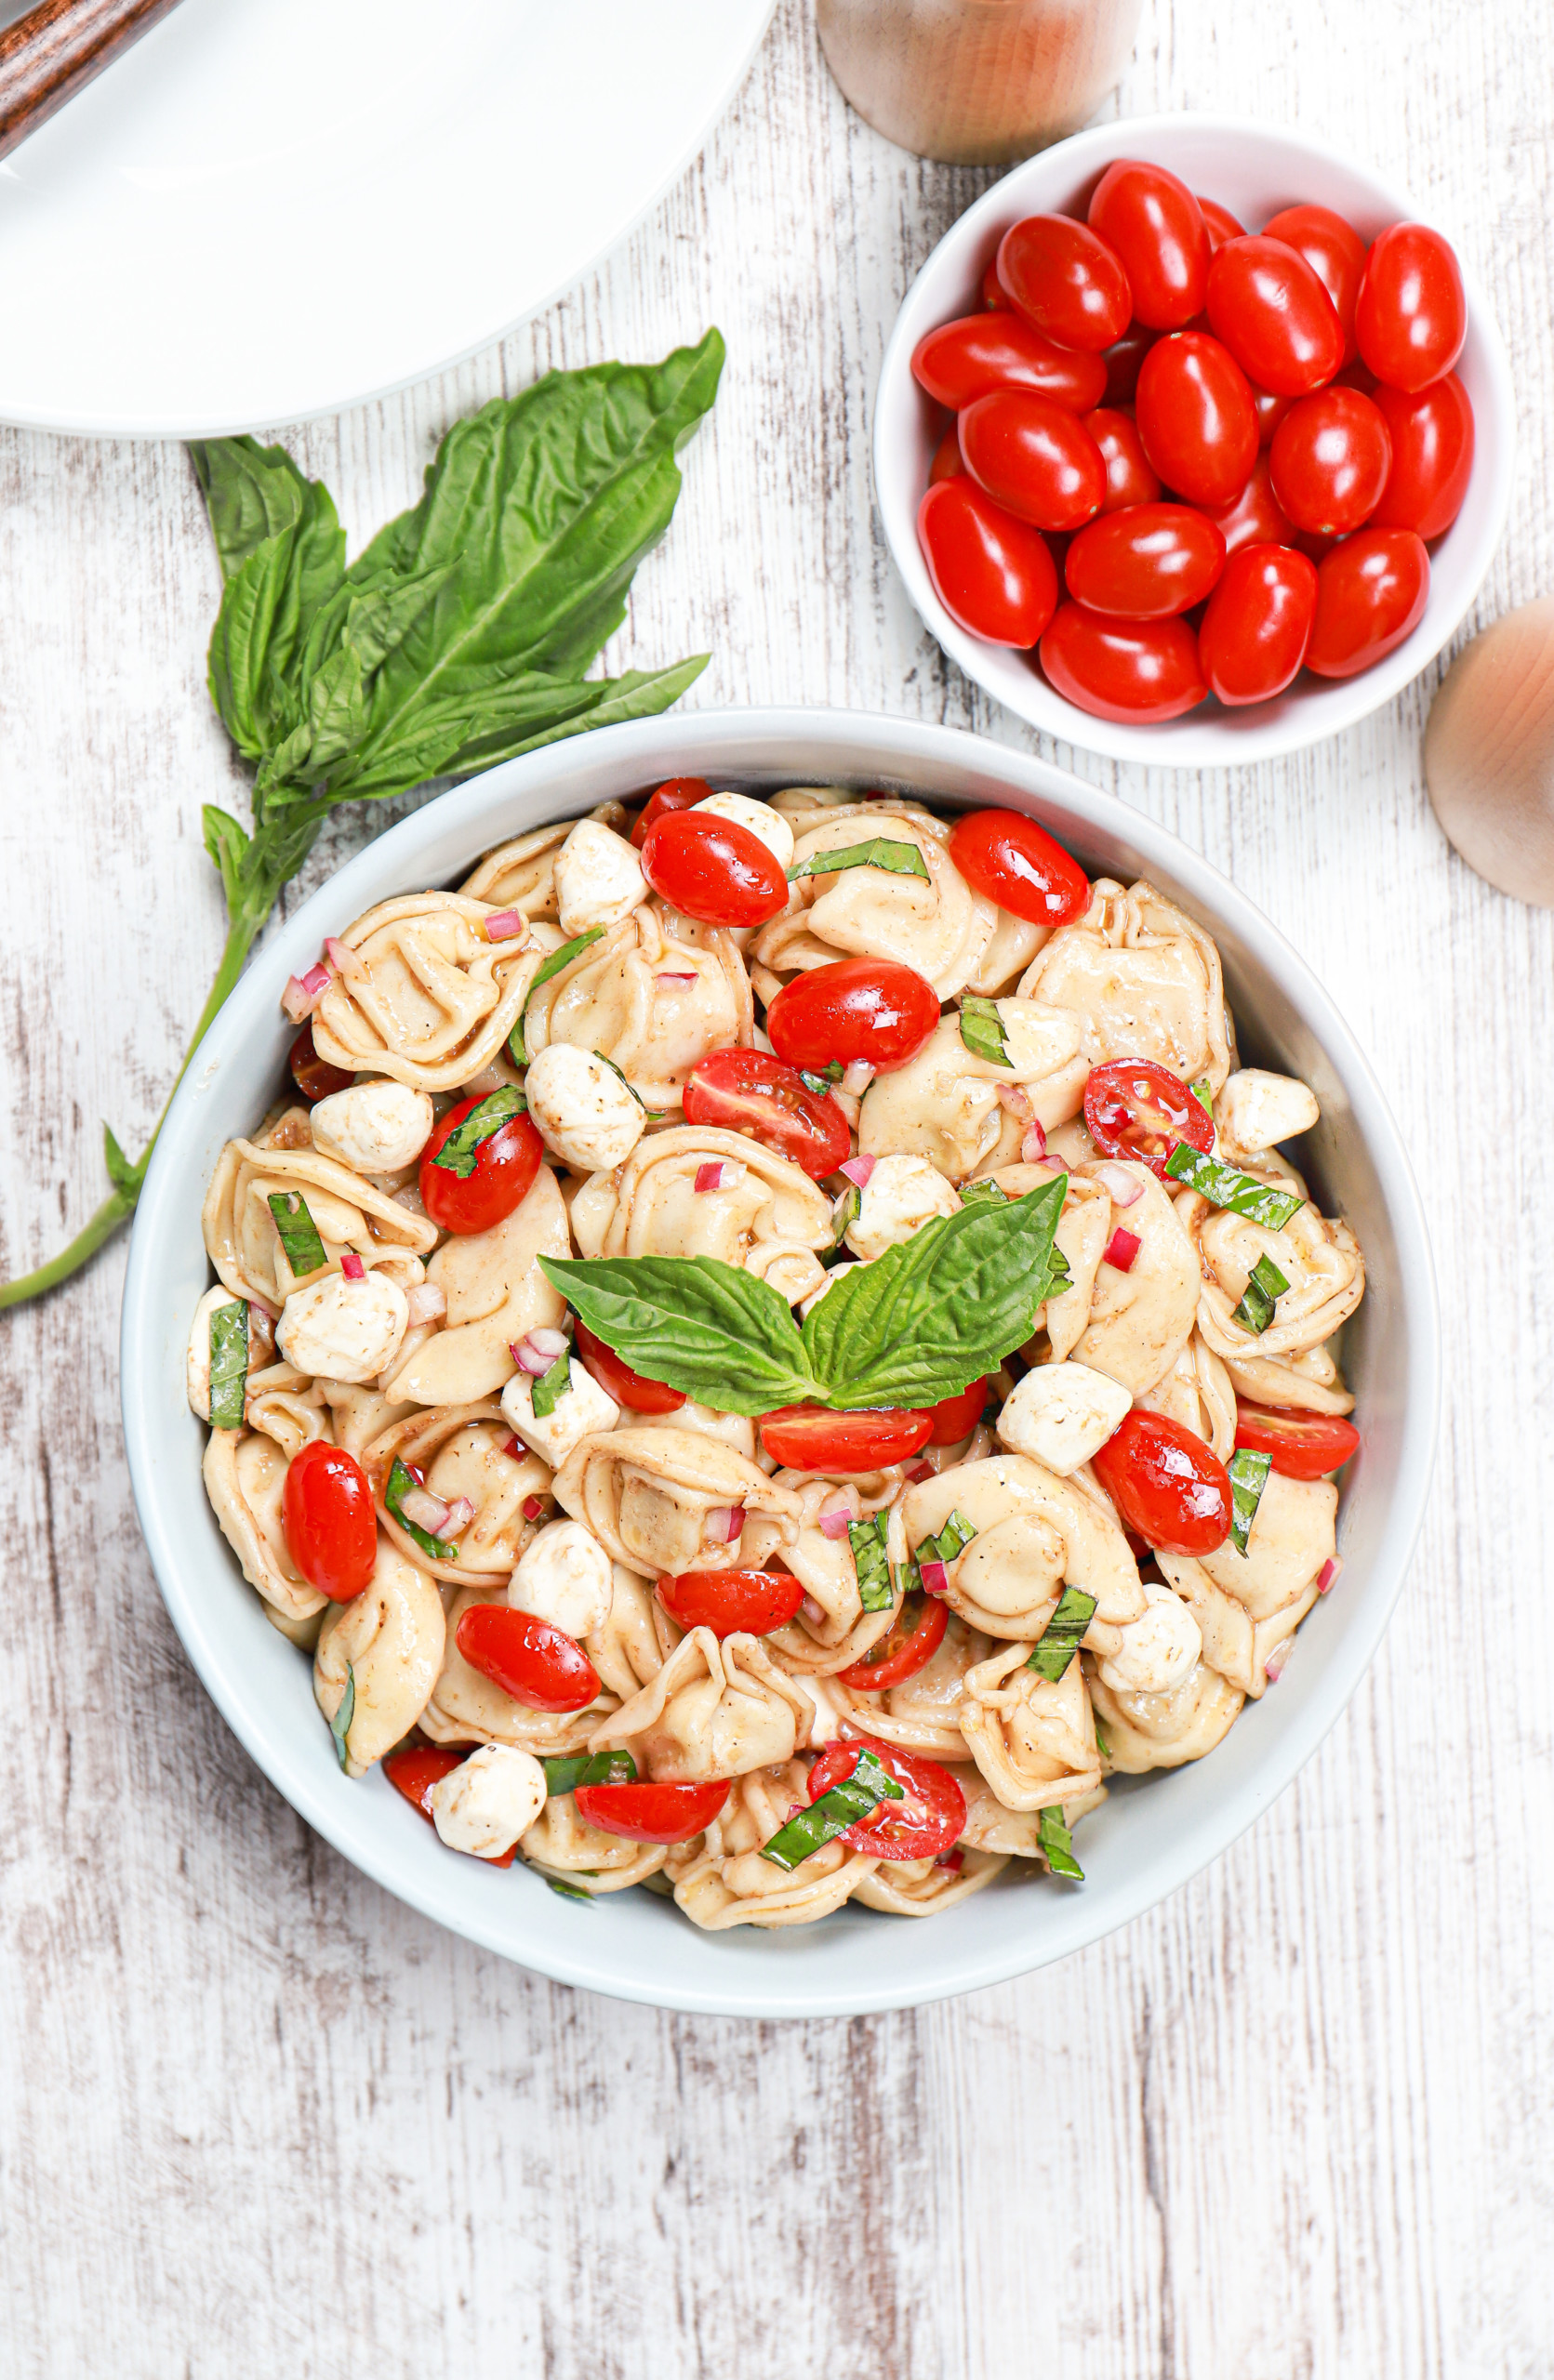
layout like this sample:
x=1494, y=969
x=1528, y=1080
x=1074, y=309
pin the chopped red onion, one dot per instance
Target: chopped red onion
x=1034, y=1148
x=934, y=1578
x=458, y=1516
x=856, y=1079
x=675, y=979
x=528, y=1357
x=352, y=1266
x=1120, y=1250
x=835, y=1525
x=426, y=1303
x=1016, y=1101
x=548, y=1342
x=1125, y=1187
x=725, y=1523
x=346, y=962
x=813, y=1612
x=710, y=1175
x=303, y=993
x=506, y=926
x=257, y=1305
x=533, y=1505
x=1327, y=1577
x=427, y=1511
x=920, y=1472
x=878, y=793
x=1274, y=1665
x=858, y=1169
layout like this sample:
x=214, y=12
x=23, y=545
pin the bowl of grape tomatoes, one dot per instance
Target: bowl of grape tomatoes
x=1193, y=441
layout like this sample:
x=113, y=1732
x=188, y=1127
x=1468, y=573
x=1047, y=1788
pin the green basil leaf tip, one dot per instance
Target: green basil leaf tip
x=460, y=1152
x=849, y=1801
x=982, y=1031
x=1248, y=1473
x=1225, y=1185
x=340, y=1726
x=228, y=1364
x=986, y=1194
x=896, y=857
x=1060, y=1641
x=1266, y=1285
x=552, y=1385
x=1057, y=1843
x=298, y=1233
x=564, y=1776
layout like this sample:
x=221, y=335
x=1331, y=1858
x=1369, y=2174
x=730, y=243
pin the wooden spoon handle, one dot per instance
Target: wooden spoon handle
x=57, y=48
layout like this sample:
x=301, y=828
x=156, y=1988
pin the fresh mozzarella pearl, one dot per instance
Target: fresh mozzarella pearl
x=904, y=1192
x=584, y=1410
x=767, y=825
x=374, y=1127
x=1256, y=1111
x=197, y=1371
x=488, y=1801
x=563, y=1577
x=341, y=1330
x=1061, y=1414
x=1157, y=1652
x=581, y=1109
x=599, y=879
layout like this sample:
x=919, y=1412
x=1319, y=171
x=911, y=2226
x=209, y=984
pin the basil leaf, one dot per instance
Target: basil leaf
x=868, y=1542
x=1266, y=1284
x=552, y=1386
x=340, y=1726
x=984, y=1194
x=304, y=1249
x=895, y=858
x=657, y=1113
x=400, y=1481
x=516, y=1049
x=982, y=1031
x=713, y=1331
x=1058, y=1276
x=1248, y=1478
x=460, y=1152
x=1059, y=1639
x=1204, y=1095
x=949, y=1544
x=820, y=1084
x=845, y=1213
x=228, y=1364
x=584, y=1768
x=843, y=1806
x=567, y=1892
x=1053, y=1835
x=1102, y=1744
x=282, y=553
x=1222, y=1185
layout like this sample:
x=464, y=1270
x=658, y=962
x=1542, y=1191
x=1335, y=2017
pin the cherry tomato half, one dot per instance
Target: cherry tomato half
x=539, y=1665
x=313, y=1078
x=728, y=1602
x=1010, y=860
x=1166, y=1483
x=949, y=463
x=331, y=1526
x=1336, y=253
x=1433, y=458
x=745, y=1090
x=417, y=1769
x=926, y=1822
x=650, y=1813
x=955, y=1418
x=1148, y=563
x=618, y=1380
x=1196, y=418
x=1067, y=281
x=1272, y=313
x=1411, y=318
x=1155, y=227
x=965, y=360
x=1303, y=1445
x=914, y=1636
x=1254, y=518
x=1219, y=223
x=1329, y=461
x=1129, y=478
x=872, y=1010
x=678, y=793
x=506, y=1165
x=1371, y=593
x=1034, y=457
x=1258, y=624
x=1122, y=358
x=1137, y=1110
x=713, y=869
x=1128, y=669
x=992, y=573
x=814, y=1437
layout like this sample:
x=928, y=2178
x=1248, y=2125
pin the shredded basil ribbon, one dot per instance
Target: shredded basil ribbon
x=820, y=1084
x=552, y=1386
x=1102, y=1744
x=983, y=1194
x=1222, y=1185
x=460, y=1152
x=340, y=1726
x=228, y=1364
x=554, y=965
x=896, y=859
x=1057, y=1844
x=1266, y=1284
x=949, y=1544
x=656, y=1113
x=1060, y=1638
x=1248, y=1473
x=304, y=1249
x=843, y=1806
x=982, y=1031
x=585, y=1768
x=1058, y=1276
x=400, y=1482
x=568, y=1892
x=1204, y=1095
x=868, y=1542
x=845, y=1213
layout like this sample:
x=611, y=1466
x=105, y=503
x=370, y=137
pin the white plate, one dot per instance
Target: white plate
x=275, y=208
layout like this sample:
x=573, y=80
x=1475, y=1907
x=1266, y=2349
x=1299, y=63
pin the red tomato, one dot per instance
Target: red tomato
x=1274, y=315
x=649, y=1813
x=1166, y=1483
x=1034, y=457
x=1258, y=623
x=1137, y=1110
x=1141, y=670
x=1433, y=458
x=1196, y=417
x=1148, y=563
x=745, y=1091
x=926, y=1822
x=993, y=296
x=1336, y=253
x=914, y=1636
x=1270, y=411
x=1412, y=315
x=1154, y=225
x=1219, y=223
x=948, y=462
x=1371, y=592
x=539, y=1665
x=1304, y=1445
x=1122, y=358
x=417, y=1769
x=313, y=1078
x=506, y=1165
x=1067, y=281
x=754, y=1602
x=713, y=869
x=1254, y=518
x=1010, y=860
x=872, y=1010
x=992, y=572
x=331, y=1527
x=814, y=1437
x=680, y=793
x=618, y=1380
x=1329, y=461
x=965, y=360
x=1129, y=478
x=955, y=1418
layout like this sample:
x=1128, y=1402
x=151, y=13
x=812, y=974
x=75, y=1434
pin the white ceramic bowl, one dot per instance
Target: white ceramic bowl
x=1151, y=1835
x=1253, y=169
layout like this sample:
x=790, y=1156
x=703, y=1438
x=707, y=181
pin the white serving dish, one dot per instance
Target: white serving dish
x=1151, y=1836
x=1254, y=169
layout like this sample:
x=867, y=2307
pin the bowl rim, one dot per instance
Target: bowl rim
x=757, y=744
x=1209, y=736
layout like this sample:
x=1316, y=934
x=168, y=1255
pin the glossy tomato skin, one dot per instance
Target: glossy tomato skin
x=1219, y=223
x=1336, y=253
x=1270, y=411
x=814, y=1437
x=1156, y=229
x=1066, y=281
x=1129, y=478
x=713, y=869
x=618, y=1380
x=1329, y=461
x=745, y=1090
x=1148, y=563
x=678, y=793
x=1011, y=860
x=1196, y=417
x=1258, y=625
x=1127, y=669
x=729, y=1601
x=870, y=1009
x=1166, y=1483
x=313, y=1078
x=1432, y=457
x=414, y=1771
x=914, y=1636
x=1123, y=359
x=993, y=574
x=1272, y=313
x=1140, y=1111
x=927, y=1821
x=955, y=1418
x=965, y=360
x=994, y=296
x=330, y=1525
x=1411, y=318
x=1033, y=457
x=1303, y=1445
x=539, y=1665
x=1371, y=593
x=1255, y=517
x=949, y=463
x=506, y=1166
x=644, y=1812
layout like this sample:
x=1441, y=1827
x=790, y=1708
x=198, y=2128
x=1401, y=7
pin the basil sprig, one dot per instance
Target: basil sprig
x=586, y=1769
x=895, y=858
x=402, y=1480
x=1057, y=1844
x=516, y=1048
x=1248, y=1473
x=340, y=1726
x=304, y=1249
x=228, y=1364
x=460, y=1152
x=820, y=1083
x=849, y=1801
x=982, y=1031
x=868, y=1541
x=1059, y=1639
x=552, y=1385
x=1223, y=1185
x=1266, y=1285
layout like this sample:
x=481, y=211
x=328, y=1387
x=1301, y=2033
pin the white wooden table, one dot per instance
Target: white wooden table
x=258, y=2119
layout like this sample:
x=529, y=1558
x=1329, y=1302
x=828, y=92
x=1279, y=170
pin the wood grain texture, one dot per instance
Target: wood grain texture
x=1298, y=2124
x=57, y=48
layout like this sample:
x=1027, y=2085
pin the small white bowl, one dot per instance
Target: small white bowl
x=1254, y=169
x=1155, y=1831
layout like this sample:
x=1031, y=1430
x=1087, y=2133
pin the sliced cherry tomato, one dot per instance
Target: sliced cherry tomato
x=1129, y=478
x=1303, y=1445
x=713, y=869
x=1258, y=624
x=313, y=1076
x=1272, y=313
x=870, y=1009
x=417, y=1769
x=1433, y=458
x=1254, y=518
x=1270, y=411
x=1155, y=226
x=1371, y=593
x=965, y=360
x=1137, y=1110
x=955, y=1418
x=618, y=1380
x=506, y=1165
x=949, y=463
x=1196, y=418
x=1067, y=281
x=331, y=1526
x=1034, y=457
x=914, y=1636
x=1141, y=670
x=1329, y=461
x=1219, y=223
x=539, y=1665
x=680, y=793
x=927, y=1821
x=650, y=1813
x=992, y=573
x=993, y=294
x=814, y=1437
x=1010, y=860
x=1166, y=1483
x=751, y=1602
x=1336, y=253
x=1122, y=358
x=1411, y=318
x=1148, y=563
x=745, y=1090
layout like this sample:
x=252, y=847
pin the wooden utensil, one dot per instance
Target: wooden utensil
x=57, y=48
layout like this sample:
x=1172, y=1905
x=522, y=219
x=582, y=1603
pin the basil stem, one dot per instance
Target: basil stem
x=340, y=1726
x=460, y=1152
x=1266, y=1284
x=552, y=1386
x=402, y=1479
x=983, y=1194
x=586, y=1769
x=852, y=1799
x=304, y=1249
x=820, y=1083
x=1223, y=1185
x=868, y=1542
x=896, y=859
x=1057, y=1844
x=982, y=1031
x=228, y=1364
x=1060, y=1638
x=1248, y=1478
